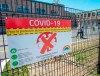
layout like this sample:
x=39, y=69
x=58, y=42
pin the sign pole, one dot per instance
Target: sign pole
x=98, y=67
x=98, y=70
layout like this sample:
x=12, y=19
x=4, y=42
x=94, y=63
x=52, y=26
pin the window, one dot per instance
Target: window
x=98, y=13
x=23, y=9
x=40, y=11
x=81, y=15
x=43, y=11
x=84, y=15
x=26, y=9
x=20, y=9
x=37, y=11
x=78, y=16
x=89, y=14
x=4, y=7
x=53, y=12
x=93, y=14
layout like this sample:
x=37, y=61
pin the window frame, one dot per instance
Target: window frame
x=53, y=12
x=22, y=9
x=89, y=14
x=40, y=11
x=2, y=8
x=85, y=15
x=98, y=13
x=93, y=13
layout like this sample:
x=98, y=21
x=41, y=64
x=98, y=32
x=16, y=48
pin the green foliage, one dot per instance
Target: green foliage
x=23, y=71
x=81, y=58
x=98, y=75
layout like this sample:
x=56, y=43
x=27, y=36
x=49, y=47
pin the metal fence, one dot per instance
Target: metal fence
x=83, y=60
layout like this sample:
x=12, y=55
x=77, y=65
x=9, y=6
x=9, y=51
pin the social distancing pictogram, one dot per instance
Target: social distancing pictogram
x=47, y=39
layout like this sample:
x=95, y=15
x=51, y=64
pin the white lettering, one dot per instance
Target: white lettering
x=30, y=22
x=39, y=23
x=42, y=23
x=48, y=23
x=36, y=23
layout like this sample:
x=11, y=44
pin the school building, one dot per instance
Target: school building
x=27, y=8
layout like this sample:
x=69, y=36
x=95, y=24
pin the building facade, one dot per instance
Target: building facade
x=27, y=8
x=33, y=7
x=90, y=20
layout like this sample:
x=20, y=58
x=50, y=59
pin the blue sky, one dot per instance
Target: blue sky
x=86, y=5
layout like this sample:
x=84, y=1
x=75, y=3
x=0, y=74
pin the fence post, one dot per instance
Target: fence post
x=98, y=67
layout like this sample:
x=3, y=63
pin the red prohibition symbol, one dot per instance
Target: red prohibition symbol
x=47, y=38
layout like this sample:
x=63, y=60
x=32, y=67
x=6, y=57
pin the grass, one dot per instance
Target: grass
x=84, y=51
x=23, y=71
x=98, y=75
x=81, y=58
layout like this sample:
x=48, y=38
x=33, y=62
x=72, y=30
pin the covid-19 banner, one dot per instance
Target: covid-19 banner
x=32, y=40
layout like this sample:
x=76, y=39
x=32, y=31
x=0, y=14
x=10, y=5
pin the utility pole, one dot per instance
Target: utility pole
x=56, y=1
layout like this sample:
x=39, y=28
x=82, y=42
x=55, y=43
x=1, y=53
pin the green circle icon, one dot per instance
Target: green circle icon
x=13, y=50
x=15, y=63
x=14, y=57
